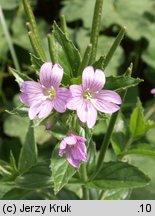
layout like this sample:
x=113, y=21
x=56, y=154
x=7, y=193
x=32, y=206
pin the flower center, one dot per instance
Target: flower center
x=51, y=93
x=87, y=95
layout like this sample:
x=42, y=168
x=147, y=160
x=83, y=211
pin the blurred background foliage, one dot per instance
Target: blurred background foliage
x=138, y=47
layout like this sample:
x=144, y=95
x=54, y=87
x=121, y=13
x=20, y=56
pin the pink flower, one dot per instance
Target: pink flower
x=153, y=91
x=89, y=97
x=75, y=149
x=46, y=94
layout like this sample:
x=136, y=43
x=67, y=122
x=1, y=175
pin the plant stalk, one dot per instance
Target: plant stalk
x=85, y=59
x=9, y=40
x=95, y=29
x=85, y=179
x=114, y=46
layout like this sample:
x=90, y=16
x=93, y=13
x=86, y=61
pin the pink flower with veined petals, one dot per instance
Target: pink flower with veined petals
x=89, y=97
x=75, y=149
x=46, y=94
x=153, y=91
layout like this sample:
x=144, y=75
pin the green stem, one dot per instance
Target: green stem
x=106, y=140
x=85, y=179
x=31, y=18
x=111, y=125
x=35, y=44
x=51, y=47
x=9, y=41
x=95, y=29
x=114, y=46
x=128, y=144
x=101, y=195
x=85, y=59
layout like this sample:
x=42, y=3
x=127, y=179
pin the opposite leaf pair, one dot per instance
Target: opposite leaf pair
x=86, y=99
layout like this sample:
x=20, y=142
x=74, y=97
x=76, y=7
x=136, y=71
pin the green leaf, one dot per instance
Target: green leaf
x=141, y=149
x=114, y=175
x=37, y=177
x=9, y=4
x=20, y=77
x=36, y=62
x=118, y=194
x=28, y=154
x=91, y=157
x=21, y=110
x=120, y=134
x=62, y=171
x=4, y=189
x=16, y=194
x=16, y=126
x=120, y=83
x=67, y=54
x=137, y=121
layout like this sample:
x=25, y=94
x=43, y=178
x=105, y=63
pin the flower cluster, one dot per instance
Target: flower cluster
x=88, y=98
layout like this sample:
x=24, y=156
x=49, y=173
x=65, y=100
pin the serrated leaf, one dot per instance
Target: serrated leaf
x=137, y=121
x=37, y=177
x=28, y=154
x=114, y=175
x=19, y=77
x=66, y=53
x=120, y=83
x=62, y=171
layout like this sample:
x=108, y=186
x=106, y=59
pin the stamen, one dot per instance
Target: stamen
x=87, y=95
x=50, y=93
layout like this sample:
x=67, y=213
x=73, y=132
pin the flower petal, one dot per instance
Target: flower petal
x=62, y=95
x=153, y=91
x=78, y=153
x=34, y=110
x=76, y=90
x=82, y=111
x=46, y=74
x=71, y=160
x=46, y=108
x=31, y=87
x=61, y=152
x=70, y=140
x=106, y=106
x=74, y=103
x=91, y=115
x=87, y=77
x=109, y=95
x=63, y=144
x=56, y=76
x=29, y=99
x=99, y=80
